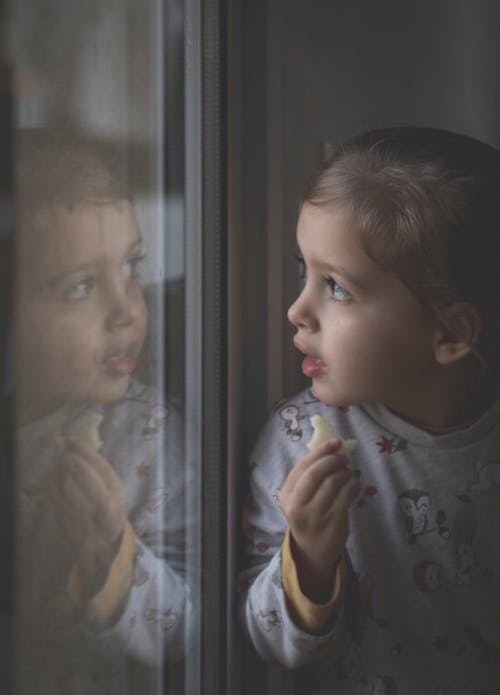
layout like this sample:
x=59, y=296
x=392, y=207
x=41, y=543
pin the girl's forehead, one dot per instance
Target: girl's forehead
x=64, y=234
x=83, y=222
x=325, y=230
x=323, y=215
x=332, y=245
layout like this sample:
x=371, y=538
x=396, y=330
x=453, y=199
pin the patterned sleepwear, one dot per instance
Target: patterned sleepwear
x=418, y=612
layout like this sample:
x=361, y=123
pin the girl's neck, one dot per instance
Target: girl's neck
x=28, y=411
x=451, y=404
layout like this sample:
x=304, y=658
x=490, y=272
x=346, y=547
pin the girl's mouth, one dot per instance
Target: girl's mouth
x=121, y=363
x=313, y=367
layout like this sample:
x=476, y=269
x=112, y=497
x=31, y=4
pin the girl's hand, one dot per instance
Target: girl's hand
x=315, y=500
x=91, y=507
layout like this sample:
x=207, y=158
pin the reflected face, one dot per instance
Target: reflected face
x=81, y=316
x=365, y=336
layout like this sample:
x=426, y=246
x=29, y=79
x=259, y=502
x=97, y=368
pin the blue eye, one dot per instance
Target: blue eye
x=81, y=290
x=131, y=267
x=336, y=291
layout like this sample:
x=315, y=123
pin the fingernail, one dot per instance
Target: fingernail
x=335, y=443
x=70, y=441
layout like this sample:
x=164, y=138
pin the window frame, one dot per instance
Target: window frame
x=206, y=324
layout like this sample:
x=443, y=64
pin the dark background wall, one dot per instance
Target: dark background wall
x=306, y=73
x=353, y=65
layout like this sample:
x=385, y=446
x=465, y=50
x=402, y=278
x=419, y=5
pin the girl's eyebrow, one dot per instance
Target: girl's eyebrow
x=332, y=268
x=340, y=270
x=135, y=245
x=56, y=279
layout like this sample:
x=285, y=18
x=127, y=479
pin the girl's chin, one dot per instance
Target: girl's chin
x=115, y=391
x=323, y=392
x=327, y=395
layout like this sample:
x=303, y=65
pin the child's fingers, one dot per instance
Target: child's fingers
x=321, y=507
x=106, y=505
x=346, y=496
x=111, y=517
x=97, y=467
x=94, y=560
x=71, y=508
x=87, y=452
x=319, y=476
x=325, y=495
x=86, y=477
x=327, y=448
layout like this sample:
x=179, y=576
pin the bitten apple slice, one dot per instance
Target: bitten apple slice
x=322, y=431
x=89, y=429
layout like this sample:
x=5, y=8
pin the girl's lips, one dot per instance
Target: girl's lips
x=121, y=363
x=313, y=367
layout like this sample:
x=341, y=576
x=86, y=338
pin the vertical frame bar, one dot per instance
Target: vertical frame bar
x=6, y=377
x=275, y=49
x=206, y=387
x=214, y=557
x=194, y=300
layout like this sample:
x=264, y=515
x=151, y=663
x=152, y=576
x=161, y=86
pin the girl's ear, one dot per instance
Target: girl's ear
x=458, y=332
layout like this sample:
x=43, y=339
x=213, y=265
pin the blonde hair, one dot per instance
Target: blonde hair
x=427, y=205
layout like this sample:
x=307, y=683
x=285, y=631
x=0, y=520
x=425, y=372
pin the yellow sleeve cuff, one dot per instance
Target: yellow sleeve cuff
x=103, y=608
x=309, y=616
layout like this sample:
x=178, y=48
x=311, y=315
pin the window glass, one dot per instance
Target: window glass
x=106, y=504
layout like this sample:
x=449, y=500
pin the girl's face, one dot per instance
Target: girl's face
x=365, y=336
x=81, y=316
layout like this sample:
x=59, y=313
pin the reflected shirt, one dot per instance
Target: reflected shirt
x=143, y=440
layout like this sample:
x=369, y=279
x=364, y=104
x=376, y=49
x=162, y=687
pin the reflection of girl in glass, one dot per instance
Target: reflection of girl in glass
x=100, y=516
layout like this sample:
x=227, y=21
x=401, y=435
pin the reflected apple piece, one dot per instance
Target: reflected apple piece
x=89, y=429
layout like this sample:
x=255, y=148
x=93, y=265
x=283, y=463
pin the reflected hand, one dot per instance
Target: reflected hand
x=91, y=507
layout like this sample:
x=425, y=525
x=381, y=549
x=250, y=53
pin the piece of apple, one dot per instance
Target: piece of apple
x=322, y=431
x=89, y=429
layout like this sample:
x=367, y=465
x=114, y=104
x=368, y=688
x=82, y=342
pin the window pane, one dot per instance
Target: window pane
x=107, y=436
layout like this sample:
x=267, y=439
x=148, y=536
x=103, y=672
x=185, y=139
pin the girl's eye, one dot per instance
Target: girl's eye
x=131, y=267
x=81, y=290
x=302, y=266
x=336, y=291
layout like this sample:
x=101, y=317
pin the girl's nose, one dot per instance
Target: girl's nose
x=300, y=314
x=124, y=305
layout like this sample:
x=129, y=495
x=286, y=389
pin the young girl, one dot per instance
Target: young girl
x=100, y=471
x=383, y=566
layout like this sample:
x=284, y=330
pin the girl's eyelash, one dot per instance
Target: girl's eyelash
x=302, y=265
x=336, y=289
x=135, y=262
x=80, y=289
x=337, y=292
x=137, y=259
